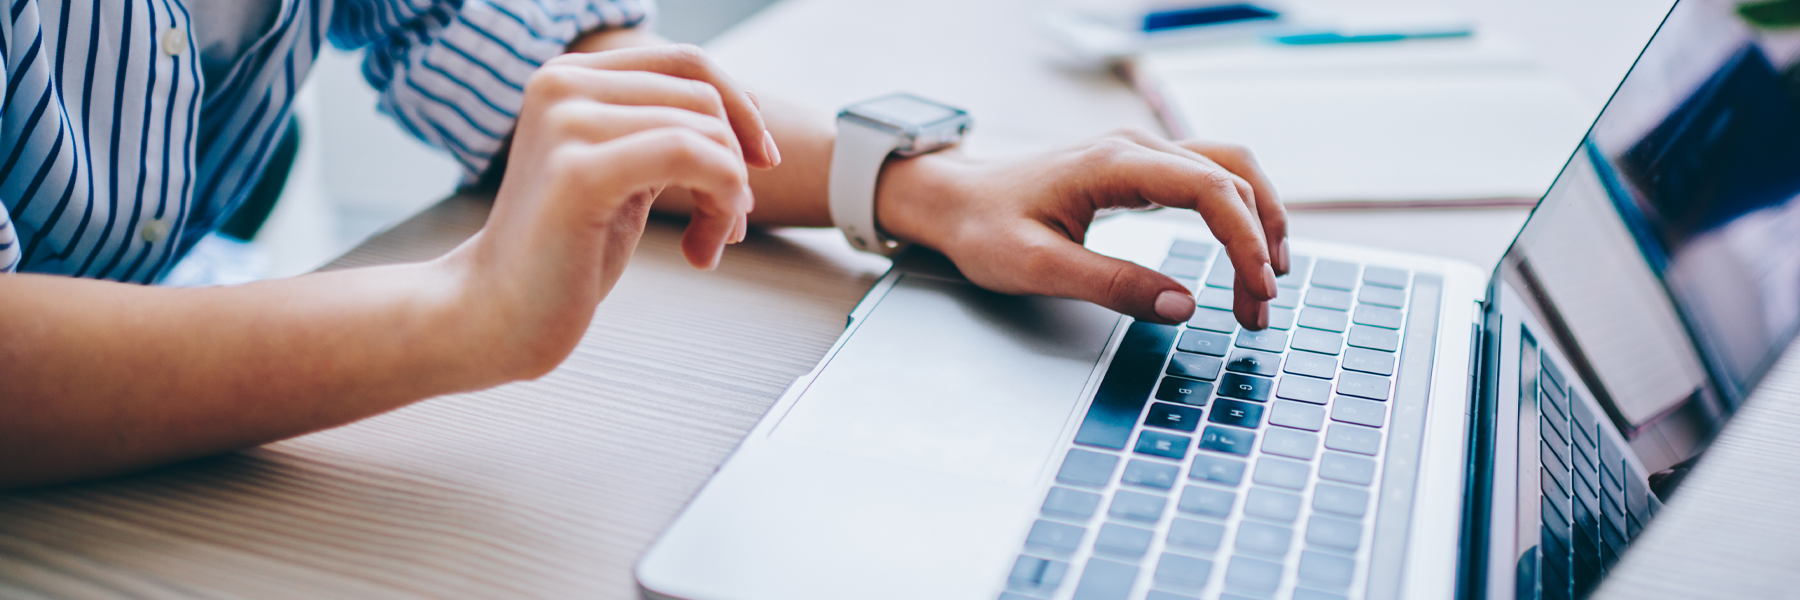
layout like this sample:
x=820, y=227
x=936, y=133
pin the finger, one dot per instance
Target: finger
x=1057, y=266
x=597, y=122
x=1250, y=312
x=683, y=158
x=1166, y=179
x=687, y=61
x=1273, y=214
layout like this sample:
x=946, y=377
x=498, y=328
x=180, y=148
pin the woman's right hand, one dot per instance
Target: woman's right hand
x=599, y=137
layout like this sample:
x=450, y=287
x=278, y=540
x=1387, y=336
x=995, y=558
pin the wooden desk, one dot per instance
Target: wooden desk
x=553, y=488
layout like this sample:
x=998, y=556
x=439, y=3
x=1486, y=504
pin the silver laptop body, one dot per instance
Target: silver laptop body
x=1410, y=427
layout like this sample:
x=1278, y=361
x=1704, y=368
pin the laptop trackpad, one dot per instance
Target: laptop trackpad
x=948, y=377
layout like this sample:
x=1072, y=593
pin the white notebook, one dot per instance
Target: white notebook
x=1422, y=122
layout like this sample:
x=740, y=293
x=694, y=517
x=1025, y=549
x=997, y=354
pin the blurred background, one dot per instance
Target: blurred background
x=357, y=173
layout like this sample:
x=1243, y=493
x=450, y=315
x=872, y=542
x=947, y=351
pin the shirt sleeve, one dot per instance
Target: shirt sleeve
x=9, y=235
x=453, y=72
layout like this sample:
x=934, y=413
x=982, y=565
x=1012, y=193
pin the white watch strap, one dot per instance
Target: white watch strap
x=856, y=161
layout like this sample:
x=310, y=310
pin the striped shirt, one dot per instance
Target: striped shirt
x=116, y=156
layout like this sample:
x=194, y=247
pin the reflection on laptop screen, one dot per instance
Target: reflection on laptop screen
x=1666, y=258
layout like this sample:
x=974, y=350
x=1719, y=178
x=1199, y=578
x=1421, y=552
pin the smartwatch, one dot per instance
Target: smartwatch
x=867, y=133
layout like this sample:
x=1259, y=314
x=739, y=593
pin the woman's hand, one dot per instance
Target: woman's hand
x=1017, y=226
x=599, y=137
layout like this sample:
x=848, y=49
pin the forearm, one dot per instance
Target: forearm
x=99, y=377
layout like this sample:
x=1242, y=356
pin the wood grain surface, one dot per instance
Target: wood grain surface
x=545, y=489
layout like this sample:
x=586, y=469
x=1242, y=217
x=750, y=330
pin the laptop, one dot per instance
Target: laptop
x=1407, y=427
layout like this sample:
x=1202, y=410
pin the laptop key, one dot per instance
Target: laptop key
x=1297, y=415
x=1373, y=338
x=1340, y=500
x=1055, y=536
x=1358, y=411
x=1254, y=361
x=1326, y=570
x=1299, y=267
x=1245, y=387
x=1071, y=503
x=1183, y=268
x=1314, y=391
x=1195, y=535
x=1381, y=296
x=1033, y=574
x=1290, y=443
x=1185, y=391
x=1205, y=501
x=1334, y=274
x=1217, y=469
x=1213, y=297
x=1286, y=298
x=1150, y=474
x=1322, y=342
x=1135, y=506
x=1324, y=318
x=1266, y=340
x=1281, y=318
x=1272, y=504
x=1347, y=468
x=1166, y=445
x=1182, y=571
x=1311, y=364
x=1195, y=366
x=1091, y=469
x=1105, y=580
x=1192, y=249
x=1251, y=575
x=1203, y=342
x=1173, y=416
x=1363, y=385
x=1263, y=538
x=1281, y=473
x=1221, y=439
x=1351, y=438
x=1241, y=414
x=1213, y=320
x=1378, y=316
x=1325, y=298
x=1369, y=361
x=1334, y=533
x=1385, y=277
x=1123, y=540
x=1222, y=275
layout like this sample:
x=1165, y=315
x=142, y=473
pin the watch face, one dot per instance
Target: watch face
x=906, y=111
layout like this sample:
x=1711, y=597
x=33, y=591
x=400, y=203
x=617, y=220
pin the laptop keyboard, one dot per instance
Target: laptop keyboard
x=1592, y=505
x=1216, y=460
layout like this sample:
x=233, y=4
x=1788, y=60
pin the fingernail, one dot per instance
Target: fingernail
x=1262, y=315
x=1174, y=306
x=770, y=149
x=741, y=230
x=1269, y=281
x=753, y=100
x=1287, y=265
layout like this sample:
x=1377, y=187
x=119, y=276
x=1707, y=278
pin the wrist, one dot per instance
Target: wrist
x=919, y=200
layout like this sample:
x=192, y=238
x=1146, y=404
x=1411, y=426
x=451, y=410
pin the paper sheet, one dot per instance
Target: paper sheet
x=1418, y=122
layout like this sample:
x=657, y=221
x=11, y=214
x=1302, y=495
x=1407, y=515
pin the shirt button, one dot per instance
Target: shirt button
x=154, y=231
x=174, y=41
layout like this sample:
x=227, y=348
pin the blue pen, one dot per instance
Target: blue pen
x=1333, y=37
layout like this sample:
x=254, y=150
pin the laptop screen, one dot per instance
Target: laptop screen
x=1665, y=259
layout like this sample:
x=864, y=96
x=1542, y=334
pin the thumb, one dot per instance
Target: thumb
x=1073, y=271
